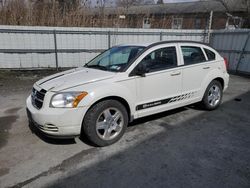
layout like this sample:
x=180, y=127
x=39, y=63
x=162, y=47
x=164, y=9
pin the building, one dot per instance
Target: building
x=188, y=15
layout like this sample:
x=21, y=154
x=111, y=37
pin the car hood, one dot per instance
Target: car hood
x=72, y=78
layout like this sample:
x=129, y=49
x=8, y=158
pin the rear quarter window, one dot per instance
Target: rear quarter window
x=192, y=55
x=210, y=54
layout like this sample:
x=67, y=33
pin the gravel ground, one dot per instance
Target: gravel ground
x=186, y=147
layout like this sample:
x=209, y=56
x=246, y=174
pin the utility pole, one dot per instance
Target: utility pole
x=210, y=26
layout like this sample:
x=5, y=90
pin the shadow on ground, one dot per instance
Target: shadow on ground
x=86, y=141
x=210, y=150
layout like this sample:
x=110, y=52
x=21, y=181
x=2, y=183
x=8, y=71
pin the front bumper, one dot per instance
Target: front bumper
x=56, y=122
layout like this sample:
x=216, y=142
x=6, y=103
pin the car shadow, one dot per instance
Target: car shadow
x=208, y=150
x=138, y=121
x=85, y=140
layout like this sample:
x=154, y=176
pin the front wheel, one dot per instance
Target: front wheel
x=105, y=123
x=213, y=96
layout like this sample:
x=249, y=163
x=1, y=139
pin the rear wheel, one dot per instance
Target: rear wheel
x=213, y=96
x=105, y=122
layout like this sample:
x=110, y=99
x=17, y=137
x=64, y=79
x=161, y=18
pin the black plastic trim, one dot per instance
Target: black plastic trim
x=152, y=104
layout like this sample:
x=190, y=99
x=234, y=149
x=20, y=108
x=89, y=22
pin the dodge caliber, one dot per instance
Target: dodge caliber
x=124, y=83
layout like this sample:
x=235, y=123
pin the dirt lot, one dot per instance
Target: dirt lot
x=186, y=147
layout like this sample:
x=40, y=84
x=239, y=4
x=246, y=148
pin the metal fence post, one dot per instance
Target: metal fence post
x=242, y=52
x=109, y=39
x=161, y=36
x=211, y=38
x=56, y=55
x=210, y=26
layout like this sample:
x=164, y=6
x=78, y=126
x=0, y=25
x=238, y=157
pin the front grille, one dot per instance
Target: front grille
x=37, y=98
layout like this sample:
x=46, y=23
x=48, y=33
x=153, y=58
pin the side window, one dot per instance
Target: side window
x=192, y=55
x=161, y=59
x=210, y=54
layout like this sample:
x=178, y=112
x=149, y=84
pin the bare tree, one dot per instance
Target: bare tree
x=160, y=2
x=85, y=3
x=2, y=3
x=102, y=3
x=226, y=4
x=247, y=21
x=66, y=4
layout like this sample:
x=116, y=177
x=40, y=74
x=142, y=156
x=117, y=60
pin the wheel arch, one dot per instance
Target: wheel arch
x=117, y=98
x=221, y=80
x=205, y=104
x=215, y=74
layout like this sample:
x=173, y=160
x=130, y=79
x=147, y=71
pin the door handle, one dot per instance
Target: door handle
x=175, y=74
x=206, y=67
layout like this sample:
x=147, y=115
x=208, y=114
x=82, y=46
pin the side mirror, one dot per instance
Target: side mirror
x=141, y=70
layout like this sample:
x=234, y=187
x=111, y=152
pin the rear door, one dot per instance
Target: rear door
x=195, y=68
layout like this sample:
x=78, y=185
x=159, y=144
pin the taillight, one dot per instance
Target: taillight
x=226, y=62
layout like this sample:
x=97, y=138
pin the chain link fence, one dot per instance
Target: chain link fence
x=24, y=47
x=54, y=47
x=235, y=46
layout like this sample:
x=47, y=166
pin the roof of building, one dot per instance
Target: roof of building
x=178, y=8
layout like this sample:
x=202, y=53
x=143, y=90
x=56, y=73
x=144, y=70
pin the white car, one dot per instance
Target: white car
x=124, y=83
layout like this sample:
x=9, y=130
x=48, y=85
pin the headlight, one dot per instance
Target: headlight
x=67, y=99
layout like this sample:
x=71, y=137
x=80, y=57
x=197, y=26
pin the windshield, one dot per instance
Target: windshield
x=115, y=59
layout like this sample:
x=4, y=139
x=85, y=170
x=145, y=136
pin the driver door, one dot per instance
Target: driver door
x=161, y=82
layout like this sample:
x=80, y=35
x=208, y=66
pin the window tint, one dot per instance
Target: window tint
x=192, y=55
x=210, y=54
x=161, y=59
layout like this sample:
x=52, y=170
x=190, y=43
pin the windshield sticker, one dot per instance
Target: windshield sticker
x=115, y=67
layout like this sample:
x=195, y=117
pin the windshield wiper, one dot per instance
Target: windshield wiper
x=96, y=67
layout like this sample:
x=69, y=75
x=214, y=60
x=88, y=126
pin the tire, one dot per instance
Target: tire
x=213, y=96
x=105, y=122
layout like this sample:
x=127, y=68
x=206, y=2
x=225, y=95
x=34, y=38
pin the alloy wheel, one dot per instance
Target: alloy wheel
x=109, y=124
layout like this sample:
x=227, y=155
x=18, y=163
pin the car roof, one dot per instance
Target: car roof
x=164, y=42
x=136, y=44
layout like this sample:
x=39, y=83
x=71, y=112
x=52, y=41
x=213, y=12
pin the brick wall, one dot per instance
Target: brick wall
x=190, y=21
